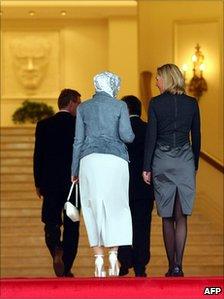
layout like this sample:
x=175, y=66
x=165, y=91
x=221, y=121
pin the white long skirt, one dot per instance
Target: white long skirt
x=104, y=181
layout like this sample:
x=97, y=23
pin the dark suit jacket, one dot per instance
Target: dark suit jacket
x=138, y=189
x=53, y=152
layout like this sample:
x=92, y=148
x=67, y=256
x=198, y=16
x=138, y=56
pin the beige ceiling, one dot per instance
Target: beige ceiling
x=51, y=9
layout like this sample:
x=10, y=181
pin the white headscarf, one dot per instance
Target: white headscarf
x=107, y=82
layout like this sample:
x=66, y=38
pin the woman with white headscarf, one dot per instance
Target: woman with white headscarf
x=100, y=161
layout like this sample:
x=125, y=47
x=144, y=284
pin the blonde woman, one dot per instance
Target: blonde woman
x=100, y=159
x=171, y=160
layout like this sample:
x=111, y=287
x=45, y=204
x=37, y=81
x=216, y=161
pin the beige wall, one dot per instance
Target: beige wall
x=86, y=47
x=207, y=34
x=167, y=32
x=85, y=53
x=123, y=53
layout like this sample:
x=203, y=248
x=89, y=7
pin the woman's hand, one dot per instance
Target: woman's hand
x=74, y=179
x=147, y=177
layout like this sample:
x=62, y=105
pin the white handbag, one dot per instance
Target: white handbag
x=72, y=211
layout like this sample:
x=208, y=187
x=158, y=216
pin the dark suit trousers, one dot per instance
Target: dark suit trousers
x=138, y=255
x=52, y=211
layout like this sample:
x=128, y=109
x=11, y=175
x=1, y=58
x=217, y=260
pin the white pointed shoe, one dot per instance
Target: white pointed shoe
x=99, y=269
x=114, y=266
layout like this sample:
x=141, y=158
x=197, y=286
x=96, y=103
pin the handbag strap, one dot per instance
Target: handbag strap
x=70, y=191
x=76, y=193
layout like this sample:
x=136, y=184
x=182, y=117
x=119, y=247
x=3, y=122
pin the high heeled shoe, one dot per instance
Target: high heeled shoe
x=99, y=269
x=114, y=267
x=177, y=271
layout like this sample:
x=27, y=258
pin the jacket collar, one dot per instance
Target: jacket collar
x=102, y=95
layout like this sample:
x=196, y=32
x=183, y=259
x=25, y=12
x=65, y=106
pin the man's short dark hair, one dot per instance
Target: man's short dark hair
x=134, y=104
x=66, y=96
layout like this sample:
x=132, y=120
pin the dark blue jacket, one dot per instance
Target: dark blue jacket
x=53, y=152
x=171, y=119
x=138, y=189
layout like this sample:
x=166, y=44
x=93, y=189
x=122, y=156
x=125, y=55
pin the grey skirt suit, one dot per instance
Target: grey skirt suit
x=169, y=155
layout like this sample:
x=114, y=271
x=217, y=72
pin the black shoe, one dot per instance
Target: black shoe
x=140, y=271
x=123, y=271
x=141, y=274
x=69, y=274
x=169, y=273
x=177, y=271
x=58, y=263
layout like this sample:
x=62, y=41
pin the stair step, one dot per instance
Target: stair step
x=35, y=227
x=34, y=210
x=17, y=162
x=17, y=146
x=18, y=138
x=10, y=170
x=84, y=249
x=17, y=178
x=84, y=271
x=8, y=251
x=18, y=195
x=17, y=130
x=19, y=222
x=38, y=238
x=16, y=154
x=18, y=204
x=38, y=261
x=17, y=187
x=22, y=212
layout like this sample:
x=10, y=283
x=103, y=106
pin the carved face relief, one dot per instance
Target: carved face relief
x=30, y=60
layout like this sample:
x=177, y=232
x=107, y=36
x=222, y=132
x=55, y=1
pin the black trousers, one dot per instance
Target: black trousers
x=138, y=255
x=55, y=218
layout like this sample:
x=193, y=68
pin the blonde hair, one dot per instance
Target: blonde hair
x=172, y=77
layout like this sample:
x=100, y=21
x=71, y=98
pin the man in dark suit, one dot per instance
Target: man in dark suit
x=52, y=175
x=140, y=198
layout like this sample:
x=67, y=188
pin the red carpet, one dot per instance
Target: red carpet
x=105, y=288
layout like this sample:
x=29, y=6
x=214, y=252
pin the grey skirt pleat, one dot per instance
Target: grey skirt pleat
x=173, y=172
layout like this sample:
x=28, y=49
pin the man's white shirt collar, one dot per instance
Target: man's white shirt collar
x=134, y=115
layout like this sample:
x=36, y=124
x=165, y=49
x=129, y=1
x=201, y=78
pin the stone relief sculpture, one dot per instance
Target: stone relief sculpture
x=30, y=61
